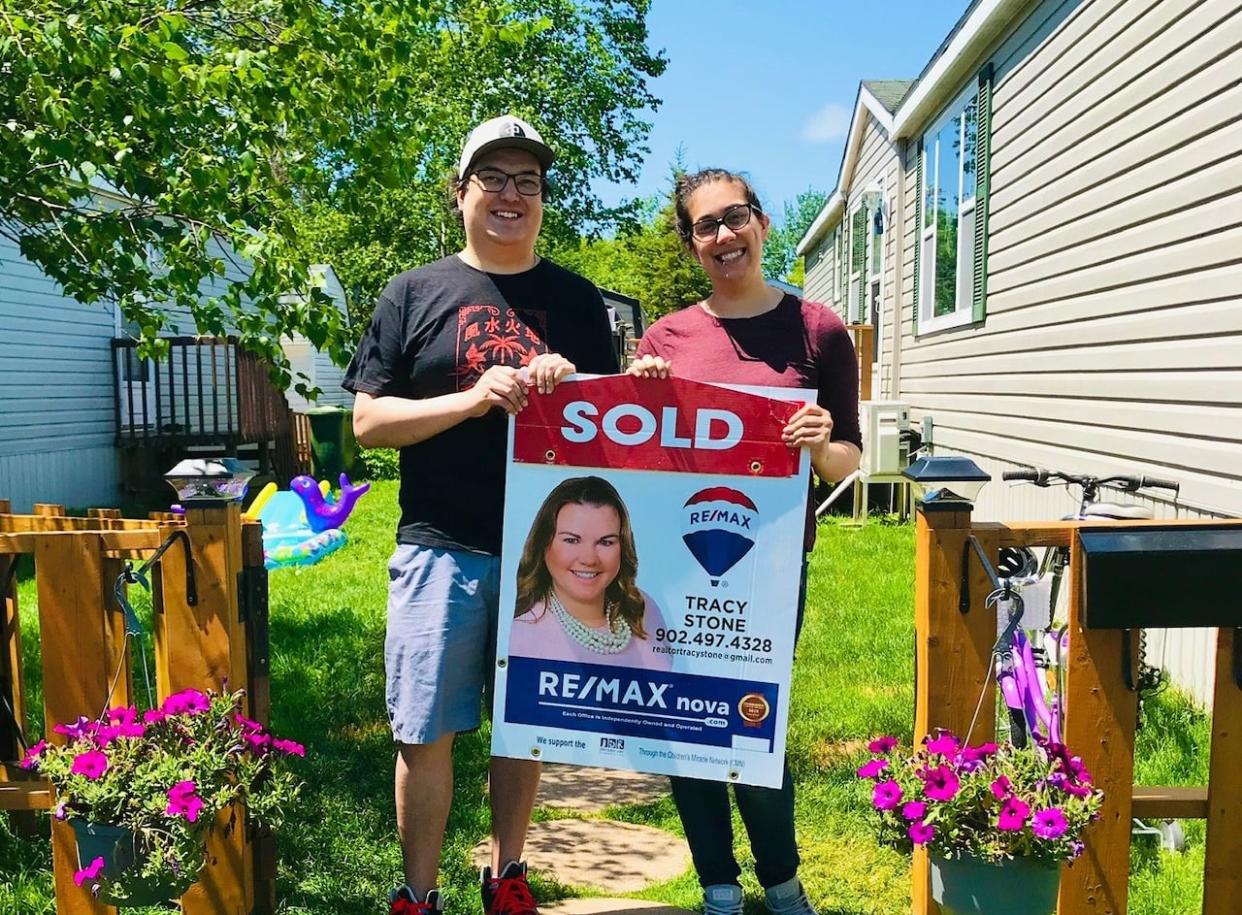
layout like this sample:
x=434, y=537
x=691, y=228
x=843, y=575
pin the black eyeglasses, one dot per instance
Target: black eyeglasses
x=493, y=180
x=735, y=218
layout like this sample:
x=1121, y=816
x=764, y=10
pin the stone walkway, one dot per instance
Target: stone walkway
x=597, y=854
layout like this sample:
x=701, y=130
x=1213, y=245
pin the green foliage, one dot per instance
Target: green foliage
x=166, y=777
x=163, y=155
x=779, y=260
x=584, y=85
x=381, y=464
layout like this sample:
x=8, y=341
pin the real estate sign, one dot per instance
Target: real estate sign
x=653, y=534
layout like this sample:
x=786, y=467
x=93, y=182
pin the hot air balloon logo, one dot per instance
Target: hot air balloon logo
x=718, y=525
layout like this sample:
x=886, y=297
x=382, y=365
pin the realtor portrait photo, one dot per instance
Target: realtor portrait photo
x=577, y=592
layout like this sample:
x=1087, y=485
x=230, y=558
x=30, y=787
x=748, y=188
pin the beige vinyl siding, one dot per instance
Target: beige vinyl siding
x=1113, y=336
x=821, y=277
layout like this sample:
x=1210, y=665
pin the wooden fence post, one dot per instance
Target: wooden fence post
x=255, y=604
x=204, y=646
x=1222, y=880
x=953, y=649
x=82, y=633
x=1100, y=722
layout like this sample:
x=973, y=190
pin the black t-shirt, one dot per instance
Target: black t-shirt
x=435, y=331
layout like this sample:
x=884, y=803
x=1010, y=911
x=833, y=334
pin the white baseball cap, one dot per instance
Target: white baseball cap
x=504, y=132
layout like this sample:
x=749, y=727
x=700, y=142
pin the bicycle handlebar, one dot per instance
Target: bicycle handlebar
x=1042, y=477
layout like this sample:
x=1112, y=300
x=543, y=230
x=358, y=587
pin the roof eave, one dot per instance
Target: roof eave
x=948, y=72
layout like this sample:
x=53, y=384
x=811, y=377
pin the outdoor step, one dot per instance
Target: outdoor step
x=590, y=790
x=603, y=905
x=601, y=854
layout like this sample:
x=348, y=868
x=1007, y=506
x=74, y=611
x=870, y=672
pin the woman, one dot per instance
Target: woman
x=747, y=332
x=577, y=596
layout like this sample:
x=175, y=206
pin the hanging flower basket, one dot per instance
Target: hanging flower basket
x=142, y=791
x=111, y=856
x=997, y=820
x=969, y=886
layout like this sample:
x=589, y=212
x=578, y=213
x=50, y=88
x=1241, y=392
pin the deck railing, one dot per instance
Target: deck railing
x=207, y=391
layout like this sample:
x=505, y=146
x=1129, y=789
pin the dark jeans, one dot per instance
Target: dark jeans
x=767, y=814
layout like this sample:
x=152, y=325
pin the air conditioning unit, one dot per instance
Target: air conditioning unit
x=885, y=424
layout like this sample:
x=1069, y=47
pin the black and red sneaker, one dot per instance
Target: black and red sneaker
x=402, y=901
x=508, y=894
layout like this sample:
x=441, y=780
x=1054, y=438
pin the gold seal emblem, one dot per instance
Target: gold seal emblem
x=754, y=709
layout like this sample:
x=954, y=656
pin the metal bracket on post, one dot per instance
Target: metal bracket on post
x=963, y=595
x=252, y=609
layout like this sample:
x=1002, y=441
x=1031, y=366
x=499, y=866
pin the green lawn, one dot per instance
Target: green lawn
x=339, y=855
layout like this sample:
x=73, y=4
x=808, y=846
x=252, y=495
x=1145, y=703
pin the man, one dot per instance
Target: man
x=452, y=348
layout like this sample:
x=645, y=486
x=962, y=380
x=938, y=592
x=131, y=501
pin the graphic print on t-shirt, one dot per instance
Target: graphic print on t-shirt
x=490, y=335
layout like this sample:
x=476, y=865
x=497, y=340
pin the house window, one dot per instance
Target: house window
x=866, y=257
x=947, y=231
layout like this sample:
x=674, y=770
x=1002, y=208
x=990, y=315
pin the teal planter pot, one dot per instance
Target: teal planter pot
x=968, y=886
x=122, y=860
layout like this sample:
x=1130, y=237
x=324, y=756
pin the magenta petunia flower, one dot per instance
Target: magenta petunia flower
x=940, y=783
x=259, y=743
x=90, y=764
x=1001, y=788
x=943, y=744
x=184, y=801
x=154, y=716
x=1013, y=816
x=921, y=833
x=886, y=795
x=188, y=701
x=90, y=872
x=288, y=747
x=915, y=810
x=882, y=745
x=31, y=759
x=123, y=715
x=1049, y=824
x=247, y=724
x=83, y=727
x=873, y=768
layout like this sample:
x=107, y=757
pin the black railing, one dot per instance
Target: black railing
x=207, y=391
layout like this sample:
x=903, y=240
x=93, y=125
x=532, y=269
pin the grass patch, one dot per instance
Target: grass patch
x=853, y=679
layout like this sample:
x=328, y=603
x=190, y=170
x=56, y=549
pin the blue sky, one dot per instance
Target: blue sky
x=769, y=87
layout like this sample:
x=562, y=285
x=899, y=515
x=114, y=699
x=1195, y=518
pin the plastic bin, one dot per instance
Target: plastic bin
x=334, y=450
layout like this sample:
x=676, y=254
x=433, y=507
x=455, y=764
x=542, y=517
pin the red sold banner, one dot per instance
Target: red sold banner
x=656, y=424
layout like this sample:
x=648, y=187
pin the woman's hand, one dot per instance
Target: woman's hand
x=650, y=367
x=810, y=427
x=547, y=370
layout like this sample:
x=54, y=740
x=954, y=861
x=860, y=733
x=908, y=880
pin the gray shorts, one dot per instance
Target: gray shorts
x=441, y=642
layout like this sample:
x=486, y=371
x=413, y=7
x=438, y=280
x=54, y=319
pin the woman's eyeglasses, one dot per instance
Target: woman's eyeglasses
x=735, y=218
x=493, y=180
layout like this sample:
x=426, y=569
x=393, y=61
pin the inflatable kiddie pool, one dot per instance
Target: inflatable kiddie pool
x=302, y=524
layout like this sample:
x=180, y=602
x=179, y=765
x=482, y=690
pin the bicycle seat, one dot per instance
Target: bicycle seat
x=1116, y=510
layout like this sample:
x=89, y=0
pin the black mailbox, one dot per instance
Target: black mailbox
x=1162, y=578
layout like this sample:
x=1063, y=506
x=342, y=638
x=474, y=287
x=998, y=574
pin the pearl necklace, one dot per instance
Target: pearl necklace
x=613, y=639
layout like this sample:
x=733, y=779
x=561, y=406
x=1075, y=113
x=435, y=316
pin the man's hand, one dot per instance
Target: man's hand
x=810, y=427
x=500, y=386
x=547, y=370
x=650, y=367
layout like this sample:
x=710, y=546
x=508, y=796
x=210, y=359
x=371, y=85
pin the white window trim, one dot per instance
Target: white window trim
x=963, y=312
